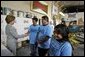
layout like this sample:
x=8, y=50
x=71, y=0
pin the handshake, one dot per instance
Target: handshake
x=22, y=36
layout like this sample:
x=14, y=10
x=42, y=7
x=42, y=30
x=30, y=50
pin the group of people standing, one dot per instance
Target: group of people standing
x=42, y=38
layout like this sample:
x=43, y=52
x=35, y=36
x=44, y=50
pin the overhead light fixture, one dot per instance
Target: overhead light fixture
x=61, y=13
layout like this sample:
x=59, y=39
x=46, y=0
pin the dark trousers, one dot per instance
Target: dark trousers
x=42, y=52
x=33, y=49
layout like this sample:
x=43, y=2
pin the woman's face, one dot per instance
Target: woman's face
x=13, y=22
x=57, y=35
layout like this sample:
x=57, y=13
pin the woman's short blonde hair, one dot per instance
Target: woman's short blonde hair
x=9, y=18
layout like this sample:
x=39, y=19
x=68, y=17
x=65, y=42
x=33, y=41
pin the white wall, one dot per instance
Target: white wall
x=78, y=15
x=16, y=5
x=24, y=6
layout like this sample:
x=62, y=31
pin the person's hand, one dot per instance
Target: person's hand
x=39, y=42
x=26, y=33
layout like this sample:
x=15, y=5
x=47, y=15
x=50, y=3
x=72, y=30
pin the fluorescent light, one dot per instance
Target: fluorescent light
x=62, y=14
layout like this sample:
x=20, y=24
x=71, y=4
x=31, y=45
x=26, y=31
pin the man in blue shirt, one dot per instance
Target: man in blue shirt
x=33, y=30
x=44, y=37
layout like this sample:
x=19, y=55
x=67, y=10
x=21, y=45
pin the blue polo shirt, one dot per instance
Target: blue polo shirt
x=60, y=48
x=45, y=31
x=33, y=32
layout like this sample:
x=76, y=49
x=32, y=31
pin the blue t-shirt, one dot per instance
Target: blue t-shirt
x=33, y=32
x=60, y=48
x=45, y=31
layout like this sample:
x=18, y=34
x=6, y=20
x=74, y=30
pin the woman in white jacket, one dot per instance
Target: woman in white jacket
x=11, y=33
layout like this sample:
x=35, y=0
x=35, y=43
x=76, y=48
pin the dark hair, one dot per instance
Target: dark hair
x=9, y=18
x=63, y=30
x=35, y=18
x=74, y=22
x=63, y=22
x=45, y=18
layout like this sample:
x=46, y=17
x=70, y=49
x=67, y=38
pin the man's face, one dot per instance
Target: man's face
x=34, y=22
x=44, y=22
